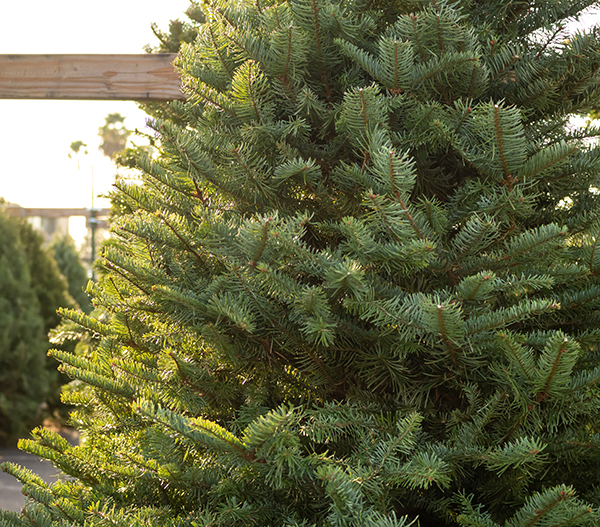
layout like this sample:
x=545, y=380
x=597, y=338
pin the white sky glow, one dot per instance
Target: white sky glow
x=35, y=135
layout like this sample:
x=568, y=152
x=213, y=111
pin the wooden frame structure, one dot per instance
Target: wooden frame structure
x=25, y=212
x=147, y=77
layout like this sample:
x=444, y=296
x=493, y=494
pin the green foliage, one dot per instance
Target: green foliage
x=358, y=286
x=32, y=289
x=69, y=264
x=48, y=282
x=114, y=135
x=24, y=376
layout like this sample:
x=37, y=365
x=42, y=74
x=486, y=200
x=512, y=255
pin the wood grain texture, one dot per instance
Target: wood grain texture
x=144, y=77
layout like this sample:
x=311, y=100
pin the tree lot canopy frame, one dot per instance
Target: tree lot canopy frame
x=133, y=77
x=15, y=210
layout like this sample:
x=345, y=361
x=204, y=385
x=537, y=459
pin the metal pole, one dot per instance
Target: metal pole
x=93, y=222
x=93, y=225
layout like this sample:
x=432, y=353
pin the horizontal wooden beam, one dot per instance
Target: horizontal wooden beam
x=146, y=77
x=54, y=213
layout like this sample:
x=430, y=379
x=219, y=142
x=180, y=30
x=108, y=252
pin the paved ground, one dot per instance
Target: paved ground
x=11, y=498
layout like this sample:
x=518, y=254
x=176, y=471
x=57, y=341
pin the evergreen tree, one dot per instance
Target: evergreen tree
x=69, y=264
x=48, y=282
x=24, y=378
x=359, y=287
x=114, y=135
x=52, y=292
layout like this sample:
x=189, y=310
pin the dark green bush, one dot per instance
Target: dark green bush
x=24, y=377
x=32, y=289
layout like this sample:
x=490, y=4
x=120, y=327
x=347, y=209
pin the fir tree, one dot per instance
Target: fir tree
x=69, y=264
x=24, y=378
x=360, y=285
x=48, y=282
x=52, y=291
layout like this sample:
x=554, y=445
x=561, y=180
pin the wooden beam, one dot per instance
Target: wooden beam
x=147, y=77
x=53, y=213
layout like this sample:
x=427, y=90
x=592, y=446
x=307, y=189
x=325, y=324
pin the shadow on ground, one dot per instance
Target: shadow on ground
x=11, y=498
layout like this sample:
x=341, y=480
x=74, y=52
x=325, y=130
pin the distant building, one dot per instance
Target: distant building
x=53, y=222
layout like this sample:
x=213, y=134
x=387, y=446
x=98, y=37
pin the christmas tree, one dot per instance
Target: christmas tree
x=359, y=286
x=31, y=290
x=24, y=380
x=69, y=264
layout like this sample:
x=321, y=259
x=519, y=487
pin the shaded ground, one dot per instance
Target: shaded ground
x=11, y=498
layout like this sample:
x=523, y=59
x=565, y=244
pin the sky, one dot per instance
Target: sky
x=35, y=135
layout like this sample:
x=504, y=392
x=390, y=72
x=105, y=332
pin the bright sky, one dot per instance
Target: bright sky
x=35, y=136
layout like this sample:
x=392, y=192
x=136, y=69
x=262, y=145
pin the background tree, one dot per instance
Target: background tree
x=32, y=291
x=25, y=378
x=49, y=284
x=51, y=288
x=78, y=148
x=349, y=292
x=114, y=135
x=69, y=264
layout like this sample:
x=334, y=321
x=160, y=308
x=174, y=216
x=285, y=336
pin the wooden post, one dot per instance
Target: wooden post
x=147, y=77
